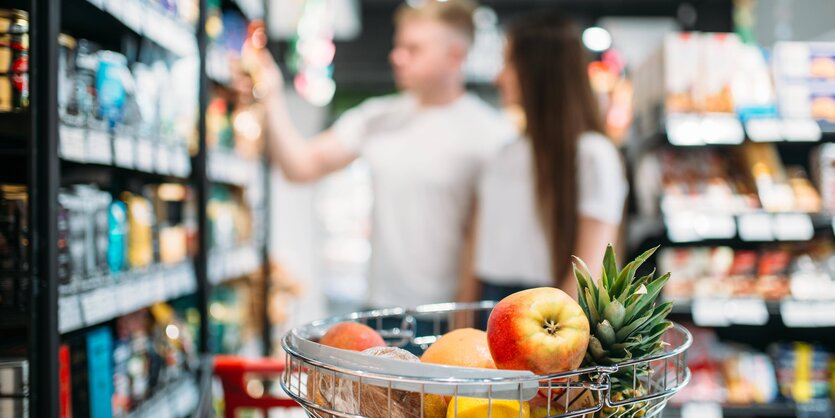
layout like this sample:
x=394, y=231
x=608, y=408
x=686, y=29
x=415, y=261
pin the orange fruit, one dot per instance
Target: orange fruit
x=465, y=347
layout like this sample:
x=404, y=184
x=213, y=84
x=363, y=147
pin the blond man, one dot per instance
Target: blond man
x=425, y=147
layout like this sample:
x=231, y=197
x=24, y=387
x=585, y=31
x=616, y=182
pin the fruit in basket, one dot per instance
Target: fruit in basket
x=367, y=400
x=464, y=347
x=626, y=322
x=542, y=330
x=352, y=336
x=576, y=399
x=480, y=408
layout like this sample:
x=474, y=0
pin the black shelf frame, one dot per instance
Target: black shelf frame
x=30, y=143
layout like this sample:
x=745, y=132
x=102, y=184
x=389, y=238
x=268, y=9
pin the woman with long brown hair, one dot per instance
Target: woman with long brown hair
x=559, y=189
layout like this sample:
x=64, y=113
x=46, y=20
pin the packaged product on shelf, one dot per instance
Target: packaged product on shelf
x=804, y=60
x=96, y=205
x=79, y=372
x=132, y=361
x=803, y=370
x=111, y=77
x=140, y=238
x=174, y=343
x=14, y=60
x=169, y=202
x=76, y=235
x=64, y=382
x=766, y=171
x=147, y=98
x=823, y=168
x=82, y=64
x=717, y=67
x=681, y=72
x=117, y=236
x=749, y=378
x=14, y=243
x=14, y=382
x=64, y=255
x=66, y=72
x=805, y=76
x=100, y=372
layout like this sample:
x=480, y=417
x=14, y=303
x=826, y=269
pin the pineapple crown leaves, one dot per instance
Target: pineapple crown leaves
x=624, y=319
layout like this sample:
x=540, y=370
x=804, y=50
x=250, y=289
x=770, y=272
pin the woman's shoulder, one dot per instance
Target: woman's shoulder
x=597, y=147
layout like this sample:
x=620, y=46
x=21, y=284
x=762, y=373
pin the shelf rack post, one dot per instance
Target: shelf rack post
x=43, y=205
x=201, y=184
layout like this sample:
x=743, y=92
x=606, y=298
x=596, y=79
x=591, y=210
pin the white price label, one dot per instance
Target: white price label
x=133, y=14
x=701, y=410
x=73, y=143
x=748, y=311
x=722, y=129
x=801, y=130
x=683, y=129
x=123, y=151
x=807, y=314
x=69, y=314
x=144, y=155
x=793, y=227
x=114, y=7
x=98, y=306
x=755, y=227
x=764, y=130
x=710, y=313
x=161, y=163
x=98, y=147
x=159, y=287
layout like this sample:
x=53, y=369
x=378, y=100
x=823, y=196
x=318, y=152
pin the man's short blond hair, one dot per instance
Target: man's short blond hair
x=456, y=14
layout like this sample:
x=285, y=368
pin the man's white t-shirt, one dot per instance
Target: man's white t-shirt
x=425, y=163
x=512, y=248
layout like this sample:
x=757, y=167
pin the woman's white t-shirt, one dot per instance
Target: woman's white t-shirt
x=425, y=164
x=512, y=248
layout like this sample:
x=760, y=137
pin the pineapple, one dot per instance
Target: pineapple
x=625, y=322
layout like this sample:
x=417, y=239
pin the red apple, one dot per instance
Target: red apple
x=542, y=330
x=352, y=336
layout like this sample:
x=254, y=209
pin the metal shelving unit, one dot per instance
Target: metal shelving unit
x=35, y=152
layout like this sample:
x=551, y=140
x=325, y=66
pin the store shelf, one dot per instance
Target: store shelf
x=15, y=127
x=217, y=66
x=151, y=23
x=129, y=292
x=145, y=156
x=230, y=169
x=175, y=400
x=226, y=265
x=724, y=312
x=773, y=410
x=695, y=227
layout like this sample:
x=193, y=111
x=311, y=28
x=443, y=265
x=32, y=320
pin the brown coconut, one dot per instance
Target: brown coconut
x=371, y=401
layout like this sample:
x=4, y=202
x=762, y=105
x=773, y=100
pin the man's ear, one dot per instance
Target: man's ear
x=459, y=49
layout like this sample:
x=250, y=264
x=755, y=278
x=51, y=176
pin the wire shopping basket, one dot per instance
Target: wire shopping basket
x=336, y=383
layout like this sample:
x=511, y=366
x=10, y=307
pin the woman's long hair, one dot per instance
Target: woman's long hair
x=559, y=106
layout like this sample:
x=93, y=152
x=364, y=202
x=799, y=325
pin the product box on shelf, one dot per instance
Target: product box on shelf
x=100, y=372
x=14, y=231
x=14, y=386
x=804, y=73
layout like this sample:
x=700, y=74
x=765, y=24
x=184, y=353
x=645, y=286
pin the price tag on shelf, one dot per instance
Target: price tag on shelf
x=747, y=311
x=807, y=314
x=98, y=147
x=99, y=305
x=69, y=314
x=710, y=313
x=701, y=410
x=123, y=151
x=763, y=130
x=684, y=129
x=161, y=162
x=133, y=14
x=801, y=130
x=114, y=7
x=755, y=227
x=144, y=155
x=73, y=144
x=720, y=128
x=793, y=227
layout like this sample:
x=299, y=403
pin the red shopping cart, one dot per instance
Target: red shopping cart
x=235, y=373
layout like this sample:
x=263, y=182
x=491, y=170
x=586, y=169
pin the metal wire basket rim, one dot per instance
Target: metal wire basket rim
x=452, y=307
